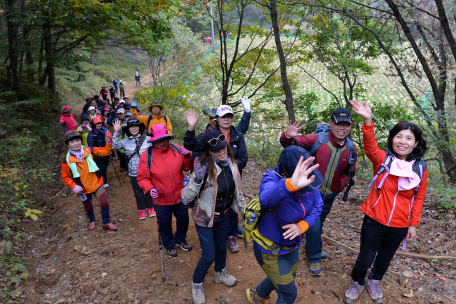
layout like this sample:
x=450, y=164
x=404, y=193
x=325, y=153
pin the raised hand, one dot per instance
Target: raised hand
x=362, y=110
x=300, y=178
x=293, y=129
x=199, y=170
x=192, y=119
x=117, y=127
x=245, y=104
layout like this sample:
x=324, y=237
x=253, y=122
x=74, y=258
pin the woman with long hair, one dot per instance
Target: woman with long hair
x=393, y=207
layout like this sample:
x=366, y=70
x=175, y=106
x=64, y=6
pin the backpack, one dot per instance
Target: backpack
x=150, y=152
x=151, y=117
x=251, y=230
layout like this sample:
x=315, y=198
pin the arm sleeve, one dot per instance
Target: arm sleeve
x=111, y=119
x=90, y=141
x=190, y=140
x=371, y=148
x=317, y=207
x=244, y=124
x=243, y=156
x=144, y=176
x=187, y=162
x=418, y=202
x=107, y=149
x=116, y=144
x=66, y=176
x=272, y=191
x=143, y=119
x=190, y=192
x=169, y=127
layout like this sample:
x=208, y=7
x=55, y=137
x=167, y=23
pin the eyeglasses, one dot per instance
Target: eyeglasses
x=213, y=142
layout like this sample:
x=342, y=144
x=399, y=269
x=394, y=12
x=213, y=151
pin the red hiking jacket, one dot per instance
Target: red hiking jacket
x=165, y=174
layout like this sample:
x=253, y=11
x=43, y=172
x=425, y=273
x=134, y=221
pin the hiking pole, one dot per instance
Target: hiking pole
x=115, y=171
x=159, y=241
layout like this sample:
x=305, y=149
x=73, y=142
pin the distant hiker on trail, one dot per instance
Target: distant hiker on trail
x=157, y=117
x=393, y=207
x=122, y=89
x=236, y=140
x=100, y=143
x=160, y=176
x=81, y=173
x=211, y=211
x=135, y=143
x=112, y=92
x=292, y=201
x=334, y=152
x=84, y=129
x=137, y=78
x=115, y=84
x=103, y=92
x=67, y=120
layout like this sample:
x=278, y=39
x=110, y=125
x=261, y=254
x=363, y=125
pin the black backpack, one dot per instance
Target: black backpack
x=151, y=117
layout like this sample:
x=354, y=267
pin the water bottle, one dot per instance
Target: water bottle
x=185, y=183
x=186, y=204
x=82, y=196
x=252, y=219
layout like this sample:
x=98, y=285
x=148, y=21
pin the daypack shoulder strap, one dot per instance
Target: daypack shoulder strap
x=138, y=146
x=175, y=148
x=322, y=139
x=149, y=157
x=148, y=121
x=166, y=119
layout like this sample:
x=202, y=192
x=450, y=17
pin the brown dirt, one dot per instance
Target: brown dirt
x=73, y=265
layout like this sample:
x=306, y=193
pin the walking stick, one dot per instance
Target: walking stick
x=159, y=241
x=115, y=171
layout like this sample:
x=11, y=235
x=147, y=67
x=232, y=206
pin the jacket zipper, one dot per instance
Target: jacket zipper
x=376, y=201
x=327, y=182
x=394, y=206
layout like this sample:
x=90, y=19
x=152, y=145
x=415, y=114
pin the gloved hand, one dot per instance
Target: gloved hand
x=184, y=151
x=199, y=170
x=77, y=189
x=246, y=104
x=154, y=193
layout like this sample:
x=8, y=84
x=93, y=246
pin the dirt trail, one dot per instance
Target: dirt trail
x=74, y=265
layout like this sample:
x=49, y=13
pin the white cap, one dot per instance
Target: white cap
x=120, y=80
x=129, y=114
x=122, y=101
x=91, y=108
x=120, y=111
x=223, y=110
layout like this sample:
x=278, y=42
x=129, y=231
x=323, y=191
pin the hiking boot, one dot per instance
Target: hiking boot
x=185, y=246
x=315, y=269
x=109, y=226
x=106, y=186
x=91, y=225
x=123, y=169
x=375, y=290
x=253, y=297
x=353, y=292
x=198, y=293
x=151, y=212
x=232, y=243
x=142, y=214
x=172, y=253
x=223, y=277
x=240, y=232
x=324, y=255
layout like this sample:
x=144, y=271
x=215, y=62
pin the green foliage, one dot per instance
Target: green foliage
x=175, y=97
x=445, y=196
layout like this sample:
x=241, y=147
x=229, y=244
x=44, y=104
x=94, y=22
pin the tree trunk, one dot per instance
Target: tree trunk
x=283, y=64
x=49, y=49
x=12, y=45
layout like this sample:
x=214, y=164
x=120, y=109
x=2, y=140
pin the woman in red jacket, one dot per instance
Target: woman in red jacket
x=393, y=207
x=160, y=176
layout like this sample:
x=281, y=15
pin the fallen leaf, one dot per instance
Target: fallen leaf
x=301, y=284
x=76, y=248
x=421, y=251
x=443, y=279
x=298, y=299
x=324, y=296
x=103, y=274
x=417, y=276
x=409, y=295
x=115, y=252
x=312, y=291
x=336, y=294
x=408, y=274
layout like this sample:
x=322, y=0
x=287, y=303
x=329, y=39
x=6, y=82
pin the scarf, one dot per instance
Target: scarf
x=74, y=170
x=221, y=163
x=404, y=170
x=79, y=154
x=69, y=121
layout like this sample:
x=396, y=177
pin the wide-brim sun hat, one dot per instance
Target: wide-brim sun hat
x=210, y=136
x=70, y=135
x=210, y=112
x=223, y=110
x=289, y=159
x=66, y=109
x=155, y=104
x=158, y=132
x=133, y=122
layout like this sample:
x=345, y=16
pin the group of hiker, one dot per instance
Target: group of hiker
x=294, y=198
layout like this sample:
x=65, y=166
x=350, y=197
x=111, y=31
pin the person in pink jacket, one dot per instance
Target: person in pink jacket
x=67, y=120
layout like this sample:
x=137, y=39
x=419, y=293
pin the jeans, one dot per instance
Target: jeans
x=165, y=218
x=143, y=202
x=213, y=245
x=100, y=194
x=379, y=243
x=314, y=244
x=234, y=221
x=281, y=272
x=103, y=163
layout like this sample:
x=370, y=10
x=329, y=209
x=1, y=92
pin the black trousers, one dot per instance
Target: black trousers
x=103, y=163
x=123, y=160
x=143, y=201
x=379, y=243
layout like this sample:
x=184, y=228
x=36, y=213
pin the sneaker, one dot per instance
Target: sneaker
x=106, y=186
x=91, y=225
x=252, y=297
x=185, y=246
x=151, y=212
x=353, y=292
x=172, y=253
x=223, y=277
x=240, y=232
x=142, y=214
x=109, y=226
x=198, y=293
x=315, y=269
x=375, y=290
x=232, y=243
x=324, y=255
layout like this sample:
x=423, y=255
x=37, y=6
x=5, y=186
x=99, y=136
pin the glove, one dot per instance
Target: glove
x=154, y=193
x=246, y=104
x=199, y=170
x=77, y=189
x=184, y=151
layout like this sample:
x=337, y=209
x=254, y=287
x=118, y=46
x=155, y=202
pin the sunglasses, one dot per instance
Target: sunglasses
x=213, y=142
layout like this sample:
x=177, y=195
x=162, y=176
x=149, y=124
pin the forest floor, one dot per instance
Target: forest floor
x=70, y=264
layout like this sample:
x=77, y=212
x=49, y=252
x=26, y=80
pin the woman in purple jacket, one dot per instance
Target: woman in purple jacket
x=291, y=196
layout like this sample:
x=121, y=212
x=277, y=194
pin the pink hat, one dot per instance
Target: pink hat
x=158, y=132
x=66, y=109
